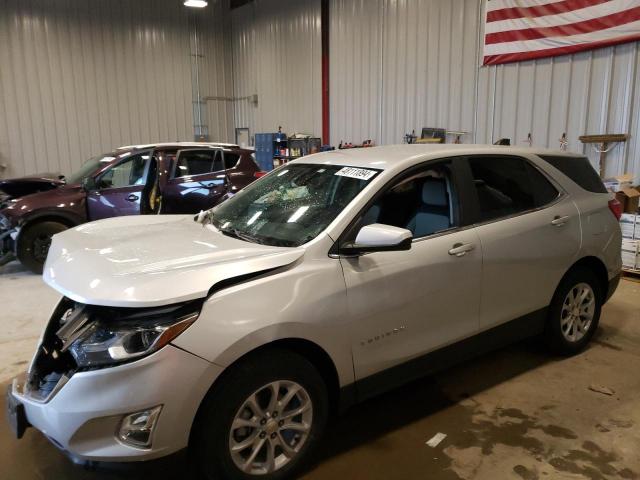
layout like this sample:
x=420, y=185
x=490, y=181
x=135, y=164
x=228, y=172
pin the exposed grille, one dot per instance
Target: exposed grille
x=52, y=367
x=4, y=221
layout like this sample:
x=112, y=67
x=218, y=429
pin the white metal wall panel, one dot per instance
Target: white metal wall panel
x=277, y=55
x=419, y=63
x=399, y=65
x=355, y=66
x=80, y=78
x=216, y=69
x=587, y=93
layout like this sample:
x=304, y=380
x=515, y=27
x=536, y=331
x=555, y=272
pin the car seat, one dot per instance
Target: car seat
x=434, y=213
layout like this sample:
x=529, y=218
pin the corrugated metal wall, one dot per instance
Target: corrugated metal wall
x=585, y=93
x=399, y=65
x=80, y=78
x=276, y=55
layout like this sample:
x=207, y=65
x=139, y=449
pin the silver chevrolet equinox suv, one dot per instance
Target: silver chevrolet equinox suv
x=238, y=333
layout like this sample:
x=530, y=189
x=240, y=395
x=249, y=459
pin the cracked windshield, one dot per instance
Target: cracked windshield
x=292, y=205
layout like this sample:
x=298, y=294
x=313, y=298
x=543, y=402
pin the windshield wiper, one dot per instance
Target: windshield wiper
x=235, y=233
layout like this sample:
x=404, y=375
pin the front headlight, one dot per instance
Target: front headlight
x=101, y=336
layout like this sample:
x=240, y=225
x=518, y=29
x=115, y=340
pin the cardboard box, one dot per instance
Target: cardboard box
x=630, y=256
x=630, y=226
x=629, y=198
x=615, y=184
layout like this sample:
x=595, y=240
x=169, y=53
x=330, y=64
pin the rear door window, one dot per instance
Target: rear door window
x=579, y=170
x=506, y=186
x=194, y=162
x=218, y=163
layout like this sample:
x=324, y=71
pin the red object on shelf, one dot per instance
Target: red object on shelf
x=616, y=208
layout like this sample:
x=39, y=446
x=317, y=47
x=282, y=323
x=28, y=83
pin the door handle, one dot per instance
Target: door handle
x=461, y=249
x=559, y=221
x=132, y=198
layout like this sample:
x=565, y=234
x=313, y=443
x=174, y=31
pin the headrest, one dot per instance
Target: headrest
x=434, y=192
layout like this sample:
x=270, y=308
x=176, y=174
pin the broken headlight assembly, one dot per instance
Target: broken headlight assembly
x=103, y=336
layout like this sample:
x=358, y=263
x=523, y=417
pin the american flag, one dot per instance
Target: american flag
x=525, y=29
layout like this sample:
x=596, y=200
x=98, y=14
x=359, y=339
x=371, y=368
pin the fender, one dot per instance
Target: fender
x=290, y=331
x=71, y=219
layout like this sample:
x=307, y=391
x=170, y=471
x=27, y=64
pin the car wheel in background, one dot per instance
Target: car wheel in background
x=262, y=420
x=574, y=312
x=34, y=242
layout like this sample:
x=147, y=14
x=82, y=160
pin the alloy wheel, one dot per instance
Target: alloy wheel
x=577, y=312
x=270, y=427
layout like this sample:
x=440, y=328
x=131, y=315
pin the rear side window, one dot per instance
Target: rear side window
x=230, y=160
x=507, y=186
x=579, y=170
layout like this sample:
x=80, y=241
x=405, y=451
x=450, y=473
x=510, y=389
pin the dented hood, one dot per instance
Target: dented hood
x=19, y=187
x=147, y=261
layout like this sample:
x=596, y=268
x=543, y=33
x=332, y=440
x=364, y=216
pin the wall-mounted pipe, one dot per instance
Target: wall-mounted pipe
x=324, y=33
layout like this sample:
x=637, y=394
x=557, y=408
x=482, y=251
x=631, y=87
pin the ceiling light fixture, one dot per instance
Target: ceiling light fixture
x=195, y=3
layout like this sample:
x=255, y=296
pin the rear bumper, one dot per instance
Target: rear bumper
x=85, y=414
x=613, y=285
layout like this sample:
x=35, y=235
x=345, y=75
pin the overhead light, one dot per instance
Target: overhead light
x=195, y=3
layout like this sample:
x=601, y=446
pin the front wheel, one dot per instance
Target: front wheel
x=263, y=420
x=574, y=312
x=34, y=243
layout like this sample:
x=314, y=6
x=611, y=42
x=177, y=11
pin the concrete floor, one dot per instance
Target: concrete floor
x=516, y=413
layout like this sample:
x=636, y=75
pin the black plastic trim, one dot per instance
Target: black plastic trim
x=230, y=282
x=612, y=286
x=523, y=327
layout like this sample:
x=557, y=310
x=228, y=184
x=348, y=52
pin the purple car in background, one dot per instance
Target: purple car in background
x=172, y=178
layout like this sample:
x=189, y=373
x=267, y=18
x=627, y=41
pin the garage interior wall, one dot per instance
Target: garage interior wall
x=399, y=65
x=80, y=78
x=277, y=56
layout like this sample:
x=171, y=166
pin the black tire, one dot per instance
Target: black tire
x=210, y=442
x=554, y=336
x=34, y=242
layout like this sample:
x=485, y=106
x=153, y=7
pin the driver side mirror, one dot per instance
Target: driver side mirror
x=88, y=184
x=379, y=238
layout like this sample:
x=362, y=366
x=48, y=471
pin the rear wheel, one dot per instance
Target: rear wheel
x=574, y=313
x=263, y=420
x=34, y=243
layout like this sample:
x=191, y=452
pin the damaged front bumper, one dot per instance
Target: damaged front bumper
x=83, y=411
x=8, y=237
x=8, y=240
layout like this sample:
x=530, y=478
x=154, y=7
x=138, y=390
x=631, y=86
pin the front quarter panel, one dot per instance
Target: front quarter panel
x=306, y=301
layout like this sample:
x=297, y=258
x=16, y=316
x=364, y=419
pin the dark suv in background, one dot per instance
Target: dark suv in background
x=133, y=180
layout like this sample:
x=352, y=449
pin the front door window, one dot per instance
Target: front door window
x=126, y=173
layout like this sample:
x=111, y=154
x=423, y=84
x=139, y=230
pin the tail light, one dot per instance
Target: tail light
x=616, y=208
x=259, y=174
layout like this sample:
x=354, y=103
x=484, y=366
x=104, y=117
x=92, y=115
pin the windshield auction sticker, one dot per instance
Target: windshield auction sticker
x=359, y=173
